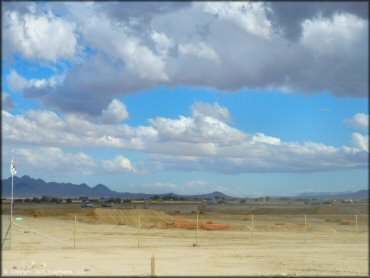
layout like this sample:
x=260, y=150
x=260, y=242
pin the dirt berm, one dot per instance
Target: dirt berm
x=101, y=215
x=312, y=211
x=131, y=216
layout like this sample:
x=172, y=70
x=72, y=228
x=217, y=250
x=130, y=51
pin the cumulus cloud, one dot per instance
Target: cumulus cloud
x=337, y=35
x=118, y=43
x=7, y=102
x=361, y=141
x=40, y=36
x=202, y=142
x=115, y=112
x=163, y=44
x=55, y=159
x=360, y=121
x=119, y=164
x=202, y=109
x=47, y=128
x=249, y=16
x=18, y=83
x=128, y=53
x=201, y=128
x=196, y=183
x=289, y=16
x=200, y=50
x=163, y=185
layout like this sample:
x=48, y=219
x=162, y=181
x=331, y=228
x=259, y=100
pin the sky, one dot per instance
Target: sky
x=247, y=98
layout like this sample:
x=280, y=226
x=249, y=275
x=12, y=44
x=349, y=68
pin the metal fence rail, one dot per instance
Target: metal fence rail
x=204, y=229
x=6, y=234
x=42, y=235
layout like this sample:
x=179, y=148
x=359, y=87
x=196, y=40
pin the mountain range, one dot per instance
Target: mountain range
x=29, y=187
x=361, y=194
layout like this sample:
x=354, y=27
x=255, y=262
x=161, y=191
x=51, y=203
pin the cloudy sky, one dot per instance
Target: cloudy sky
x=249, y=98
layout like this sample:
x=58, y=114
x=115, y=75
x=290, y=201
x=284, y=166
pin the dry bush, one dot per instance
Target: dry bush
x=39, y=213
x=332, y=220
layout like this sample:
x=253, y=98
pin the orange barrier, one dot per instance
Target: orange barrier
x=183, y=223
x=211, y=226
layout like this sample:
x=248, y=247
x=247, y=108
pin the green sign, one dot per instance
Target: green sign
x=19, y=219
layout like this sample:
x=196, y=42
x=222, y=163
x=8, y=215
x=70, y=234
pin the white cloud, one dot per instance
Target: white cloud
x=46, y=119
x=201, y=109
x=249, y=16
x=18, y=83
x=200, y=50
x=7, y=101
x=119, y=164
x=115, y=112
x=201, y=142
x=360, y=141
x=207, y=130
x=117, y=42
x=40, y=36
x=196, y=183
x=128, y=58
x=262, y=138
x=360, y=121
x=162, y=185
x=206, y=126
x=330, y=36
x=54, y=159
x=163, y=44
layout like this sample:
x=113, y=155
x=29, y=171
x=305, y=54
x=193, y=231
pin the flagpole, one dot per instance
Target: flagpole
x=13, y=172
x=11, y=215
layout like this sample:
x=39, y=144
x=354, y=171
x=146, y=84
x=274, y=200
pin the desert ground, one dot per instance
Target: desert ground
x=231, y=240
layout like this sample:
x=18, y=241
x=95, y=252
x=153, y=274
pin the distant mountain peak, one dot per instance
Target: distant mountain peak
x=100, y=186
x=29, y=187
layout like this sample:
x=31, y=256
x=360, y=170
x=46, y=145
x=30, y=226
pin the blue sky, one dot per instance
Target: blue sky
x=120, y=98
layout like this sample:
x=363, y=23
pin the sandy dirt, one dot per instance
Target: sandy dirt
x=105, y=248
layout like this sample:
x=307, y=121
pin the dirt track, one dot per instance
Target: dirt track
x=105, y=248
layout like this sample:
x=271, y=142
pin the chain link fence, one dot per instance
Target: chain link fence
x=117, y=228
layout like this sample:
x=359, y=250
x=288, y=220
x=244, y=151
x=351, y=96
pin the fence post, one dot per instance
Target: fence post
x=74, y=233
x=252, y=229
x=305, y=229
x=196, y=231
x=138, y=233
x=356, y=225
x=152, y=268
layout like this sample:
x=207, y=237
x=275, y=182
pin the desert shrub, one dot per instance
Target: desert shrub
x=45, y=199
